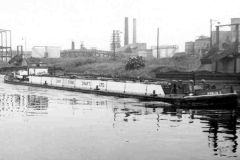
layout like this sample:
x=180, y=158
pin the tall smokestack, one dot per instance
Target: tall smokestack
x=134, y=31
x=73, y=45
x=126, y=31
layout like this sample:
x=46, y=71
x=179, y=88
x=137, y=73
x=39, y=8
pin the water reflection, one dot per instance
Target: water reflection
x=219, y=128
x=75, y=101
x=37, y=102
x=133, y=111
x=14, y=105
x=222, y=129
x=221, y=125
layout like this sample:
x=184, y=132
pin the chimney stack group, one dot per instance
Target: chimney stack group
x=126, y=36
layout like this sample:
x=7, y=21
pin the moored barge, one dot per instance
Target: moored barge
x=175, y=93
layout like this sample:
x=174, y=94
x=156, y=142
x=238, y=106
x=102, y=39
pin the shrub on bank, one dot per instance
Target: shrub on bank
x=135, y=63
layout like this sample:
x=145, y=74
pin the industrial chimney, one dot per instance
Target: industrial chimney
x=126, y=31
x=73, y=45
x=134, y=31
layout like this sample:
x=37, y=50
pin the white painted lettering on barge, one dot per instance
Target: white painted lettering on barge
x=85, y=83
x=70, y=81
x=101, y=85
x=214, y=93
x=58, y=81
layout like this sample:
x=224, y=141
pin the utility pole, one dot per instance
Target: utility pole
x=217, y=42
x=210, y=34
x=158, y=43
x=25, y=45
x=114, y=44
x=25, y=50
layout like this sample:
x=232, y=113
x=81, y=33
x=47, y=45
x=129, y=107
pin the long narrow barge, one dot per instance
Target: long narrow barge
x=224, y=98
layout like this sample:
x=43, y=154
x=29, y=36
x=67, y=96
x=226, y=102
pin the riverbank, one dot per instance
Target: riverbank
x=110, y=67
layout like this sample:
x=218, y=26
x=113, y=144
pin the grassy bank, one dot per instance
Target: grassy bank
x=109, y=67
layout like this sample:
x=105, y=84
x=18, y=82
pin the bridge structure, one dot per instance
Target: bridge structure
x=223, y=57
x=5, y=45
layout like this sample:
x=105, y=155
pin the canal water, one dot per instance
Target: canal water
x=38, y=123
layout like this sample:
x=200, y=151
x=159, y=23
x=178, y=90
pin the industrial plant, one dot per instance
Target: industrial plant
x=129, y=48
x=132, y=48
x=219, y=52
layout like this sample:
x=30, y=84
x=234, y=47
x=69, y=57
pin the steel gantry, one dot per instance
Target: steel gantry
x=5, y=45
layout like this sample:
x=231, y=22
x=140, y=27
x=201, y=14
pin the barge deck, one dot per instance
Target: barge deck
x=226, y=100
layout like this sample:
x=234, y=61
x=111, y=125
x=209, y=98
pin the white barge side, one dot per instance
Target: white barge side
x=225, y=98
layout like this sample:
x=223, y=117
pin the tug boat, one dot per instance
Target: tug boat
x=175, y=93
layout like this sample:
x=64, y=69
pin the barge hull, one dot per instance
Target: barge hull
x=218, y=101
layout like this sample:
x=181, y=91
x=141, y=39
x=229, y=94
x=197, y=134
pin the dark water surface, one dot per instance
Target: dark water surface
x=38, y=123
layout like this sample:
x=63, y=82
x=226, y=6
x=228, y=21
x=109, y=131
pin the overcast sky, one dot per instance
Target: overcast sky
x=58, y=22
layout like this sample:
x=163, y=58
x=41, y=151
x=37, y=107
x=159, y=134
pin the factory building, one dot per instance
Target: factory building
x=164, y=51
x=83, y=51
x=233, y=28
x=46, y=52
x=224, y=55
x=189, y=47
x=135, y=48
x=140, y=49
x=132, y=48
x=86, y=52
x=224, y=37
x=146, y=53
x=202, y=45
